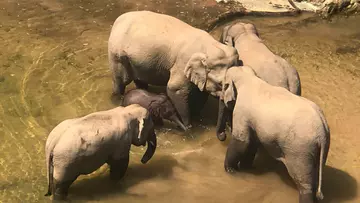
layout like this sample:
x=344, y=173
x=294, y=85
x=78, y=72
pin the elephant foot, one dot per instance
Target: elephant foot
x=221, y=136
x=61, y=190
x=306, y=198
x=230, y=170
x=59, y=197
x=118, y=168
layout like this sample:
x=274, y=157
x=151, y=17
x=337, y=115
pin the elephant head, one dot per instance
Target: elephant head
x=233, y=77
x=231, y=32
x=161, y=107
x=142, y=127
x=207, y=70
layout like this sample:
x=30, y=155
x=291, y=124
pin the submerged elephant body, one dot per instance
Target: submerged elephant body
x=81, y=145
x=157, y=49
x=159, y=106
x=291, y=128
x=254, y=53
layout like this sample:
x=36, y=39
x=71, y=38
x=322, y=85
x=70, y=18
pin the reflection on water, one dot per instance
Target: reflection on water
x=44, y=80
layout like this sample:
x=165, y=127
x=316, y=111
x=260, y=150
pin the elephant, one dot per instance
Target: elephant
x=81, y=145
x=291, y=128
x=254, y=53
x=159, y=106
x=161, y=50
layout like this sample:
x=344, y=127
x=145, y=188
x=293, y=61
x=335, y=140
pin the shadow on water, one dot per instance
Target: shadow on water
x=95, y=188
x=337, y=185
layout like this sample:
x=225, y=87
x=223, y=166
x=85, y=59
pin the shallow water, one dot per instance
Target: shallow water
x=51, y=72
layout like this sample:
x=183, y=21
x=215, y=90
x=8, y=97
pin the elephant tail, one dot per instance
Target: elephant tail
x=50, y=171
x=319, y=194
x=324, y=149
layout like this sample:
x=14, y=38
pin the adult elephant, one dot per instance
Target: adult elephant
x=254, y=53
x=157, y=49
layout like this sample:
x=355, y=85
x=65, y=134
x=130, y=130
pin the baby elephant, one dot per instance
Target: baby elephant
x=291, y=128
x=81, y=145
x=159, y=106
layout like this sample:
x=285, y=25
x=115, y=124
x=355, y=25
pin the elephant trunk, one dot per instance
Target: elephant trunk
x=151, y=147
x=176, y=120
x=223, y=116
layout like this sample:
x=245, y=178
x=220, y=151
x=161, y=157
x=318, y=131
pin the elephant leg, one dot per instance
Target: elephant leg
x=197, y=101
x=241, y=149
x=141, y=85
x=121, y=78
x=233, y=155
x=249, y=156
x=179, y=96
x=303, y=171
x=61, y=188
x=118, y=167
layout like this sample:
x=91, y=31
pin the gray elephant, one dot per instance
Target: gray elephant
x=157, y=49
x=291, y=128
x=159, y=106
x=81, y=145
x=254, y=53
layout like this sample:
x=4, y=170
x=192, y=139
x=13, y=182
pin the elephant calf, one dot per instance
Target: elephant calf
x=159, y=106
x=81, y=145
x=291, y=128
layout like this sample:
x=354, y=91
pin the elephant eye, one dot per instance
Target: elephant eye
x=226, y=86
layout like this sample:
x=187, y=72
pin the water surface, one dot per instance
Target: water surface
x=51, y=72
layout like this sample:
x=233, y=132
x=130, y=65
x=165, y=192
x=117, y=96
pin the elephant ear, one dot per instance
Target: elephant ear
x=249, y=27
x=229, y=92
x=156, y=106
x=196, y=70
x=225, y=38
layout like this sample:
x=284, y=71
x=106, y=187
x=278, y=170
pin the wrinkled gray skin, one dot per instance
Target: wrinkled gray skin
x=291, y=128
x=159, y=106
x=81, y=145
x=157, y=49
x=254, y=53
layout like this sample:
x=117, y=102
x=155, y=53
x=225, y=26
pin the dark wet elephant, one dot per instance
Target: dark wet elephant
x=159, y=106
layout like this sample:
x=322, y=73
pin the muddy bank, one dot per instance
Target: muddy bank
x=325, y=8
x=39, y=16
x=73, y=18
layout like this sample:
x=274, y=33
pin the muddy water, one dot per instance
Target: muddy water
x=51, y=72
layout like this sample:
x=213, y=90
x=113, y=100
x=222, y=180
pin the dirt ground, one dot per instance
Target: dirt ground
x=53, y=66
